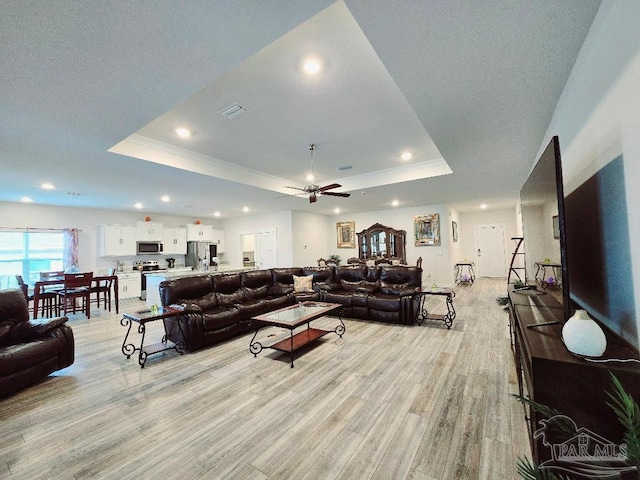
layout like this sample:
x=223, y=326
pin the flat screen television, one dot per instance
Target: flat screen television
x=543, y=225
x=599, y=250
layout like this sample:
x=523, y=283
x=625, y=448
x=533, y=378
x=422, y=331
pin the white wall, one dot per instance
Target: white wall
x=436, y=261
x=234, y=227
x=598, y=116
x=87, y=220
x=311, y=238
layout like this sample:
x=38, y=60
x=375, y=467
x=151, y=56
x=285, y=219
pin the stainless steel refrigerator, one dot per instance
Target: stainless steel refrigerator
x=198, y=255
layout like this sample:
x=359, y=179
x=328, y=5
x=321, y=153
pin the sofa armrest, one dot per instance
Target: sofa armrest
x=35, y=328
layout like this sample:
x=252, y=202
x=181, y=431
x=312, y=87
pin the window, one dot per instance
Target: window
x=28, y=254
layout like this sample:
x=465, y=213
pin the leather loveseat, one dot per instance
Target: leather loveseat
x=220, y=306
x=30, y=350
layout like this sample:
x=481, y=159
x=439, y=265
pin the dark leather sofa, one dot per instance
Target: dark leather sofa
x=220, y=306
x=30, y=350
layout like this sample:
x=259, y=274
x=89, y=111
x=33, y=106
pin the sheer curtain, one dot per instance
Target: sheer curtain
x=70, y=254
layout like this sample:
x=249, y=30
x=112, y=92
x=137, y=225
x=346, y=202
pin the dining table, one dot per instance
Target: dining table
x=40, y=285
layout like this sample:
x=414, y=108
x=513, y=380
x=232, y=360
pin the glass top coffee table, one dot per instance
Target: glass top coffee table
x=292, y=317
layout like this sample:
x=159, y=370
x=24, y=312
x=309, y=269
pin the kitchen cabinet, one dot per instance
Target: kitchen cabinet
x=218, y=238
x=149, y=231
x=117, y=240
x=174, y=241
x=199, y=233
x=129, y=285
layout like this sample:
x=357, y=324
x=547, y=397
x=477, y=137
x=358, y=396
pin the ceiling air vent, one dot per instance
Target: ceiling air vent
x=346, y=167
x=233, y=110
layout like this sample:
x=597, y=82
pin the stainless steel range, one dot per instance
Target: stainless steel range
x=146, y=267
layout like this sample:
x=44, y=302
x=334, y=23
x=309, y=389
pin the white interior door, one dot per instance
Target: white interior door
x=491, y=253
x=266, y=249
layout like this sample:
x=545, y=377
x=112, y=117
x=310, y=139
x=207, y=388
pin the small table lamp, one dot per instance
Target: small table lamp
x=583, y=336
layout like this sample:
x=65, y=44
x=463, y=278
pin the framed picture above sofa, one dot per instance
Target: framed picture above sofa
x=426, y=230
x=346, y=232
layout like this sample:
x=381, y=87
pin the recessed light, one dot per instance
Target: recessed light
x=245, y=209
x=406, y=156
x=47, y=186
x=336, y=210
x=483, y=206
x=26, y=199
x=310, y=177
x=312, y=66
x=138, y=205
x=395, y=203
x=183, y=132
x=216, y=214
x=165, y=198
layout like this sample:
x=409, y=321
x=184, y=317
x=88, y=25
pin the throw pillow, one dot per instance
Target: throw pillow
x=303, y=284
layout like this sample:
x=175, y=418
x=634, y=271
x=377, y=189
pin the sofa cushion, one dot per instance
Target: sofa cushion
x=283, y=280
x=183, y=290
x=323, y=277
x=220, y=317
x=384, y=302
x=205, y=303
x=256, y=283
x=302, y=284
x=230, y=298
x=228, y=287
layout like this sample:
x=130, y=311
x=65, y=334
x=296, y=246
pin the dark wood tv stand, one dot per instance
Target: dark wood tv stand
x=549, y=374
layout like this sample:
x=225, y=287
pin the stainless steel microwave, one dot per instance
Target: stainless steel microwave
x=149, y=248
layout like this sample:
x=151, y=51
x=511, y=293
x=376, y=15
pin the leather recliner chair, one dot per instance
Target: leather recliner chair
x=30, y=350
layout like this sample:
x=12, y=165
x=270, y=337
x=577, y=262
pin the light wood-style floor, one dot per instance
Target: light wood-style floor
x=383, y=402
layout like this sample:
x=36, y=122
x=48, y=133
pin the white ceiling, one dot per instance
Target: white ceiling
x=91, y=93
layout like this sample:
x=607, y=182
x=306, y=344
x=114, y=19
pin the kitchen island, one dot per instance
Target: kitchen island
x=154, y=279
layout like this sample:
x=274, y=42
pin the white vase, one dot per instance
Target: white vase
x=583, y=336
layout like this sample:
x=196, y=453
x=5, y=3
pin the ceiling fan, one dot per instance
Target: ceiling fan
x=313, y=190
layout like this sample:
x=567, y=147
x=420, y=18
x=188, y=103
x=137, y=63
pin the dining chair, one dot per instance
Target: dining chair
x=25, y=290
x=103, y=287
x=45, y=300
x=57, y=275
x=76, y=285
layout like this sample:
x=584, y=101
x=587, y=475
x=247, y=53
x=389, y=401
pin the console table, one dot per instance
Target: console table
x=143, y=317
x=549, y=374
x=541, y=273
x=421, y=311
x=462, y=277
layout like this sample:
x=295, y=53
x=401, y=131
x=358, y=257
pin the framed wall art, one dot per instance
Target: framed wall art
x=346, y=234
x=426, y=230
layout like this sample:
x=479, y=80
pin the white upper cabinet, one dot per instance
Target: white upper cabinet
x=174, y=241
x=149, y=231
x=117, y=240
x=199, y=233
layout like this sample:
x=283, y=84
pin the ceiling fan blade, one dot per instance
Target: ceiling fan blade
x=295, y=188
x=336, y=194
x=292, y=195
x=329, y=187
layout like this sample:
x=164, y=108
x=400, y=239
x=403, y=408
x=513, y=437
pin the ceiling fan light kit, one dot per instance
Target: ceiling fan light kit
x=312, y=190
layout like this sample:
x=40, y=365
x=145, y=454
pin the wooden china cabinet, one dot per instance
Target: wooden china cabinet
x=379, y=241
